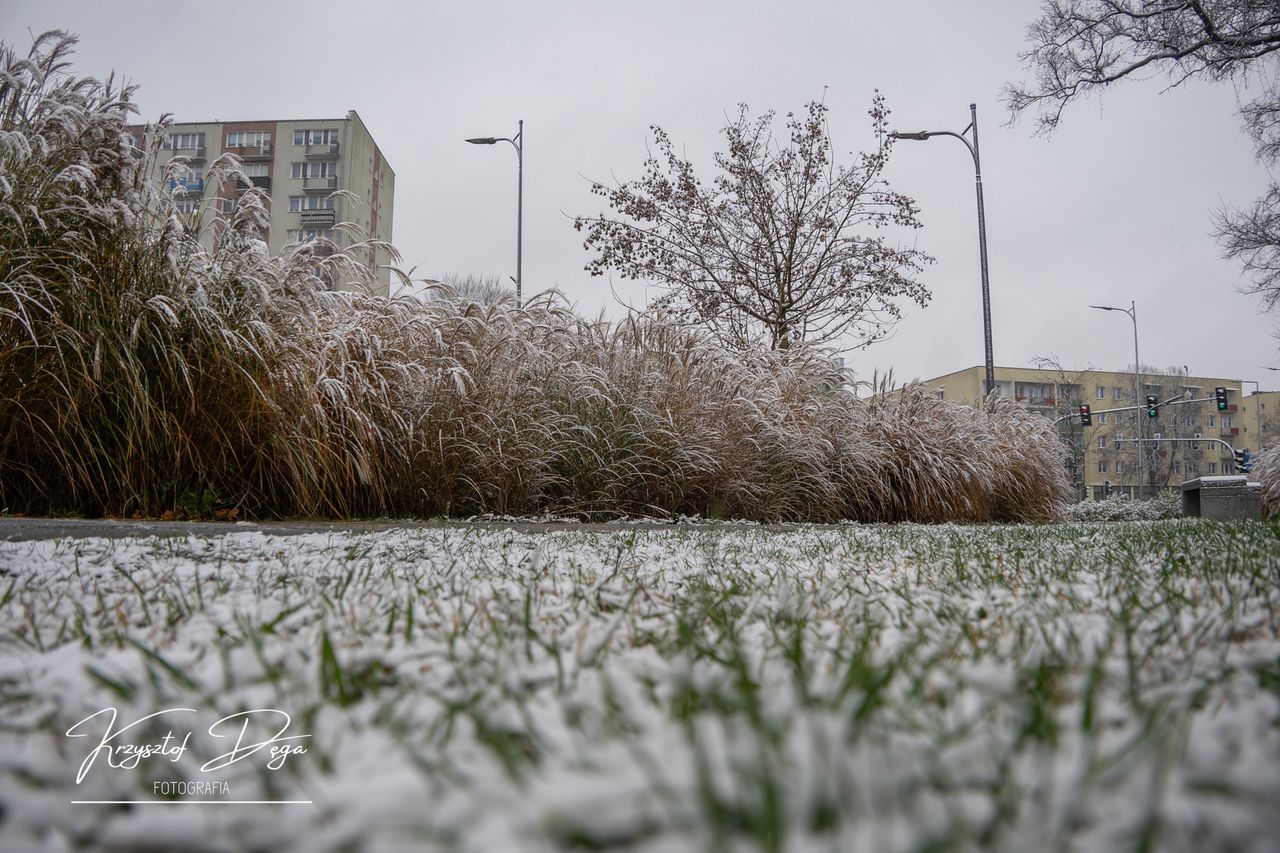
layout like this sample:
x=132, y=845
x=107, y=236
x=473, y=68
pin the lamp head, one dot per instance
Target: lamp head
x=483, y=140
x=920, y=135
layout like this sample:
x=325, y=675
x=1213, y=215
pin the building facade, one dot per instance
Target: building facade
x=306, y=166
x=1189, y=437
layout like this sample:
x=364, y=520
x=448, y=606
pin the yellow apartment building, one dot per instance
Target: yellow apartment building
x=1189, y=437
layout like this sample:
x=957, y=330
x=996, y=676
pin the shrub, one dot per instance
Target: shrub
x=949, y=462
x=1166, y=504
x=1266, y=470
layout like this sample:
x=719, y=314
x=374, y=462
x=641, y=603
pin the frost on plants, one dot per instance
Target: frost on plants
x=1266, y=470
x=892, y=688
x=143, y=374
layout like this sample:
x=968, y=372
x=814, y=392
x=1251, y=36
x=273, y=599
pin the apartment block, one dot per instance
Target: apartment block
x=1188, y=438
x=308, y=167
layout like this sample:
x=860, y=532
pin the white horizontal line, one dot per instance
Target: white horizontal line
x=195, y=802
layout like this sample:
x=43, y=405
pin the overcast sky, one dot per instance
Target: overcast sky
x=1115, y=207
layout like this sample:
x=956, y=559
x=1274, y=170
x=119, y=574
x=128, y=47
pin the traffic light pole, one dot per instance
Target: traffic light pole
x=1206, y=440
x=1241, y=462
x=1172, y=401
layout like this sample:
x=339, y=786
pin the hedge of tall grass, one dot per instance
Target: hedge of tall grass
x=140, y=373
x=1266, y=470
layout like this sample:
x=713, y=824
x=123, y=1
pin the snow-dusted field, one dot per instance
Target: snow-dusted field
x=1079, y=687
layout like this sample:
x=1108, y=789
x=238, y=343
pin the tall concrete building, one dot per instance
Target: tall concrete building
x=1194, y=438
x=302, y=164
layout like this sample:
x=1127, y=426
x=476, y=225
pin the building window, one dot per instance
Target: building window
x=1119, y=438
x=1102, y=466
x=185, y=141
x=248, y=139
x=1102, y=442
x=1119, y=467
x=328, y=136
x=1101, y=417
x=1211, y=420
x=186, y=205
x=321, y=169
x=1213, y=467
x=1100, y=392
x=306, y=235
x=309, y=202
x=254, y=170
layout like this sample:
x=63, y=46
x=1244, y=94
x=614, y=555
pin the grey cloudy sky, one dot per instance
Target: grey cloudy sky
x=1116, y=206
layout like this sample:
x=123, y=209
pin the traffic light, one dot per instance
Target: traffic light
x=1086, y=419
x=1243, y=461
x=1153, y=405
x=1220, y=397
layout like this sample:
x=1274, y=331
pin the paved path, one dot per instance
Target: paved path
x=18, y=529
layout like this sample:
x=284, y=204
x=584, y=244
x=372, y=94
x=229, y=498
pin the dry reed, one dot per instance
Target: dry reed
x=140, y=373
x=1266, y=470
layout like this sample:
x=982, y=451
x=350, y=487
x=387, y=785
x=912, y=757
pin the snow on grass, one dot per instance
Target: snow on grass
x=888, y=688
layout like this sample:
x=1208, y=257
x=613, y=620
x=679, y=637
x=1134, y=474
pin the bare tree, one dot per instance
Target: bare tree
x=472, y=287
x=1069, y=393
x=782, y=245
x=1167, y=463
x=1078, y=47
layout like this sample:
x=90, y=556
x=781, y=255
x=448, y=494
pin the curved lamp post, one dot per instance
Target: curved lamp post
x=1132, y=311
x=982, y=225
x=517, y=142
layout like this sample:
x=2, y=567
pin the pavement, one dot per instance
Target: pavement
x=21, y=528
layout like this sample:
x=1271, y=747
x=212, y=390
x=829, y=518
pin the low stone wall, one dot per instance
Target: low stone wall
x=1227, y=498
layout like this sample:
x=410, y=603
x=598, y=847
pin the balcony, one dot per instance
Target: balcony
x=322, y=217
x=321, y=150
x=260, y=181
x=193, y=187
x=1229, y=431
x=250, y=153
x=196, y=155
x=322, y=183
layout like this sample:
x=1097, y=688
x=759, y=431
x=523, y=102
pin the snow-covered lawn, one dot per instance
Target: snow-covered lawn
x=830, y=688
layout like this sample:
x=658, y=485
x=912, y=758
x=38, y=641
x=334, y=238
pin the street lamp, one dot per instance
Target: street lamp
x=1132, y=311
x=982, y=225
x=518, y=143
